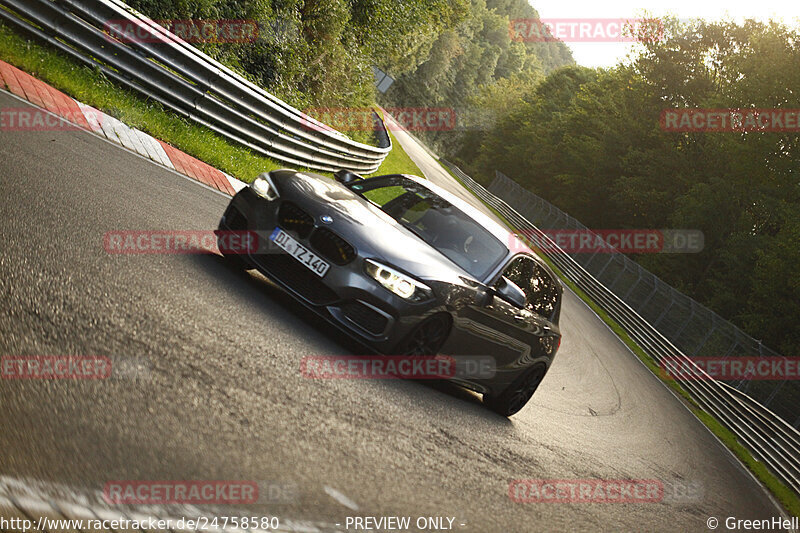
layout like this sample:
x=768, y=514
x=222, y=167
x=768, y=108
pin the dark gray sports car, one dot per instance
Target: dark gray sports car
x=408, y=269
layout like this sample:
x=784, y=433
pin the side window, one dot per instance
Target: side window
x=540, y=290
x=520, y=271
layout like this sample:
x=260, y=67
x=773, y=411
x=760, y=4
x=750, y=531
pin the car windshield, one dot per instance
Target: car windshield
x=436, y=221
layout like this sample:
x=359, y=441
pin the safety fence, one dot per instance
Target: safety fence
x=743, y=407
x=162, y=67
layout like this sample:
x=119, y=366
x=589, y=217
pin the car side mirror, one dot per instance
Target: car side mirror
x=345, y=176
x=510, y=292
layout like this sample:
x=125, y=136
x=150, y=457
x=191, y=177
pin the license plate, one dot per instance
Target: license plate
x=306, y=257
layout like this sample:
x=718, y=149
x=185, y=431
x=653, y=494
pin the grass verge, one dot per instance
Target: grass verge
x=785, y=495
x=91, y=87
x=398, y=161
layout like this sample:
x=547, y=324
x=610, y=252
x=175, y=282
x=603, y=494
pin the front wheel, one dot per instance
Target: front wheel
x=516, y=395
x=237, y=261
x=427, y=338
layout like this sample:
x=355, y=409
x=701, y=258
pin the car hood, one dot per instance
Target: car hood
x=371, y=231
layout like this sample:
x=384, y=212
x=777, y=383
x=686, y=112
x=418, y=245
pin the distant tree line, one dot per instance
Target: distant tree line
x=590, y=141
x=321, y=52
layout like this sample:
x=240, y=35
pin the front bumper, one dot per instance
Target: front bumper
x=346, y=295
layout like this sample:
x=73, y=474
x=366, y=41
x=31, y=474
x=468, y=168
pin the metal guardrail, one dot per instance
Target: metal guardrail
x=693, y=328
x=166, y=69
x=194, y=85
x=768, y=437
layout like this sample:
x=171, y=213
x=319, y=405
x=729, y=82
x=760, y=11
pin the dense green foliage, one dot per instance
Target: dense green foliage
x=471, y=66
x=476, y=53
x=590, y=141
x=321, y=52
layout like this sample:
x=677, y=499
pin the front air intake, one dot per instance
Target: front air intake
x=294, y=220
x=332, y=247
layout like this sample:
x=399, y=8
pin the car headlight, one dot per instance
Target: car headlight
x=404, y=286
x=264, y=188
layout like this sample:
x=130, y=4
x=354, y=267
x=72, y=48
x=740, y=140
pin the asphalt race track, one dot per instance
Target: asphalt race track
x=215, y=391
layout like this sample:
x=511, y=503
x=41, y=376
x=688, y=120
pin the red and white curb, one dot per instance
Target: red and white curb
x=49, y=504
x=33, y=500
x=50, y=99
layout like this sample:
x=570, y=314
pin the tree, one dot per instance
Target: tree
x=590, y=141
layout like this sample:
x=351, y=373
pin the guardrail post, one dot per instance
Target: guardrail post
x=688, y=320
x=600, y=273
x=707, y=336
x=633, y=285
x=770, y=438
x=189, y=83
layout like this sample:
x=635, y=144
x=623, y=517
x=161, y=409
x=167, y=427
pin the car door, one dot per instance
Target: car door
x=529, y=324
x=541, y=290
x=508, y=333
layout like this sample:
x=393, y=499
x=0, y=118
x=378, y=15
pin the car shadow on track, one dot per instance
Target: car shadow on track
x=248, y=284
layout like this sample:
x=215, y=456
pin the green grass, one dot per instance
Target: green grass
x=91, y=87
x=398, y=161
x=782, y=493
x=786, y=496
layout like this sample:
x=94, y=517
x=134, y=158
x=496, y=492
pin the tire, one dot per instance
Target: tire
x=427, y=338
x=237, y=261
x=516, y=395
